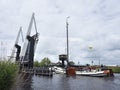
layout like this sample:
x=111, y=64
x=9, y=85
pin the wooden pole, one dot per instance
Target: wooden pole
x=67, y=35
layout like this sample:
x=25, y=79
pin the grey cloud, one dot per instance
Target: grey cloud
x=93, y=23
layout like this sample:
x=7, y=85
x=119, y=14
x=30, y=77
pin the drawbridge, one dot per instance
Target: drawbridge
x=25, y=55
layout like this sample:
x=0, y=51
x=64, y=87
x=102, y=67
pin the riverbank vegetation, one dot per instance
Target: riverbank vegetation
x=8, y=72
x=116, y=69
x=44, y=62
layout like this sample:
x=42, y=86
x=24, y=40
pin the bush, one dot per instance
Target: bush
x=8, y=72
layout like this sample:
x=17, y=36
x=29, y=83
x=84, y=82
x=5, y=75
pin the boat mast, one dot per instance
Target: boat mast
x=67, y=39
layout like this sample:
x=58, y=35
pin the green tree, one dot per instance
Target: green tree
x=71, y=63
x=37, y=64
x=45, y=62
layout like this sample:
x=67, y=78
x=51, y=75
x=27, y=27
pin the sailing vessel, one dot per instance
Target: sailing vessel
x=72, y=70
x=96, y=73
x=63, y=57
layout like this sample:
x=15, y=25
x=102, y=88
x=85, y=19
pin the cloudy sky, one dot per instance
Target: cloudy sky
x=92, y=23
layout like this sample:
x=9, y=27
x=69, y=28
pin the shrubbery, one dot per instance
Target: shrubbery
x=8, y=72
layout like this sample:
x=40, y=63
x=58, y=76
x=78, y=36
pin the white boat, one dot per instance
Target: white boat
x=96, y=72
x=93, y=73
x=59, y=70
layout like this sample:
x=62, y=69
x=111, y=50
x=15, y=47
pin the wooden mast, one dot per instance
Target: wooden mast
x=67, y=35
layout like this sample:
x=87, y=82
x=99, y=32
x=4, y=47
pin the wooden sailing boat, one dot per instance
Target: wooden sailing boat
x=71, y=70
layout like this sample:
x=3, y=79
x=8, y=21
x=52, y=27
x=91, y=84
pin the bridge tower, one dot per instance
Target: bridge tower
x=27, y=54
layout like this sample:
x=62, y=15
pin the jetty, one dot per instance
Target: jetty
x=42, y=71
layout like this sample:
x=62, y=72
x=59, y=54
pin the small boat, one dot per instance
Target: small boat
x=59, y=70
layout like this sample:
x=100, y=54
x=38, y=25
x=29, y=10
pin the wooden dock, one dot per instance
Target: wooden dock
x=43, y=71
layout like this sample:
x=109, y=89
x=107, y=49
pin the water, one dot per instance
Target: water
x=61, y=82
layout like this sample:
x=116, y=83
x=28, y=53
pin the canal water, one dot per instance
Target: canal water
x=61, y=82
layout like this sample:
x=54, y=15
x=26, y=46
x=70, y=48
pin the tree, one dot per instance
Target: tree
x=87, y=64
x=45, y=62
x=37, y=64
x=71, y=63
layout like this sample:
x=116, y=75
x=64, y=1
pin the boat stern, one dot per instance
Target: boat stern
x=109, y=72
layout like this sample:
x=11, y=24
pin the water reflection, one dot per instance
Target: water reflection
x=24, y=82
x=61, y=82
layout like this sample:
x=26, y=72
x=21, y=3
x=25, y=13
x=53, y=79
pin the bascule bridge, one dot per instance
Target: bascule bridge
x=25, y=54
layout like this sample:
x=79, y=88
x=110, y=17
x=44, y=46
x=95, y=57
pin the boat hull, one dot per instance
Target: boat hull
x=93, y=74
x=59, y=70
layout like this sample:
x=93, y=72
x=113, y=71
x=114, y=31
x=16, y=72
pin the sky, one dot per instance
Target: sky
x=92, y=23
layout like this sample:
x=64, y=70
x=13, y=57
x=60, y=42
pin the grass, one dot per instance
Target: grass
x=116, y=69
x=8, y=72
